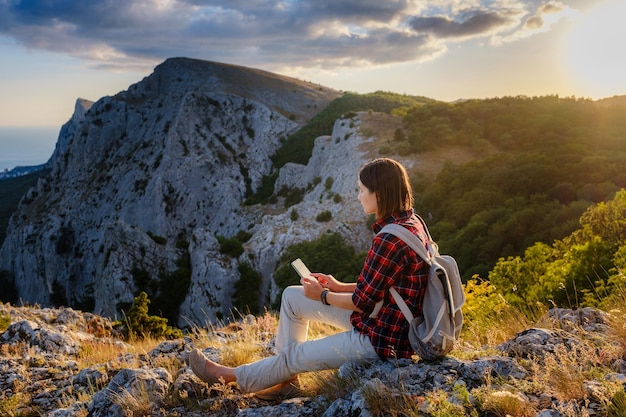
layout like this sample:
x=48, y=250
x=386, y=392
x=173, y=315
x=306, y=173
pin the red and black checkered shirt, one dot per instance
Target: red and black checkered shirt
x=390, y=262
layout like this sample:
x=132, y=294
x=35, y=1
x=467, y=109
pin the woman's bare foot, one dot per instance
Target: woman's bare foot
x=209, y=371
x=225, y=373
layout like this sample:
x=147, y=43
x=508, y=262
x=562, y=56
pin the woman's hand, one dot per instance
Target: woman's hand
x=312, y=288
x=327, y=281
x=330, y=282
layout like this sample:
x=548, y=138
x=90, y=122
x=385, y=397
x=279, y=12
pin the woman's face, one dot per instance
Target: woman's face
x=367, y=199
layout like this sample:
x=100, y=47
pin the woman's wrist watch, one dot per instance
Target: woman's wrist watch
x=323, y=297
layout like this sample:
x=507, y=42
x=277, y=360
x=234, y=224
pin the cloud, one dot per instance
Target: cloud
x=477, y=24
x=265, y=33
x=537, y=21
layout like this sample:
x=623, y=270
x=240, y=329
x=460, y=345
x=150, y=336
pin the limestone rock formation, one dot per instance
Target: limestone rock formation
x=153, y=175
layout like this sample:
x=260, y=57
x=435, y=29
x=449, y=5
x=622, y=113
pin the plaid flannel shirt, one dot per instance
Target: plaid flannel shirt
x=390, y=262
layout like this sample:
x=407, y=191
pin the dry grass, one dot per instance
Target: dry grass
x=500, y=328
x=242, y=341
x=385, y=402
x=16, y=350
x=100, y=351
x=574, y=375
x=437, y=404
x=171, y=364
x=617, y=330
x=563, y=375
x=121, y=354
x=118, y=355
x=328, y=384
x=72, y=396
x=381, y=400
x=380, y=125
x=564, y=372
x=14, y=405
x=245, y=340
x=500, y=403
x=135, y=402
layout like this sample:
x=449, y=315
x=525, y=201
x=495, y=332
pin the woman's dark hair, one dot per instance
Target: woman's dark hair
x=390, y=181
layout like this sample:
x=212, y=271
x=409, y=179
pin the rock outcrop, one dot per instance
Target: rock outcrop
x=49, y=366
x=154, y=174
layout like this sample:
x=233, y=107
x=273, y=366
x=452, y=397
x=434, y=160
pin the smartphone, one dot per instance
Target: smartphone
x=301, y=269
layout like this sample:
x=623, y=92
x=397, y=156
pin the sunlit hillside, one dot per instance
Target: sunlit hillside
x=494, y=177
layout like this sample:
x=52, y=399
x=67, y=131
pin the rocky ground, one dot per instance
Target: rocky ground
x=62, y=362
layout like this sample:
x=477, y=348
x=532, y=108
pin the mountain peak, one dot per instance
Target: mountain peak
x=169, y=160
x=287, y=95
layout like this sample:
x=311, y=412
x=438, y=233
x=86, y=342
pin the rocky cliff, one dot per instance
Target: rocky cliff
x=153, y=175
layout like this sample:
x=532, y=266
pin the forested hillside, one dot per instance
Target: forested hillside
x=540, y=162
x=586, y=268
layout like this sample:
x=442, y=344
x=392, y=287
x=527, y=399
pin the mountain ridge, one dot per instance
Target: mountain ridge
x=149, y=177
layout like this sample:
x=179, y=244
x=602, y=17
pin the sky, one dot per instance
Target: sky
x=55, y=51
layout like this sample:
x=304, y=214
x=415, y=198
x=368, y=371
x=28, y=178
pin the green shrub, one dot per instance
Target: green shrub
x=5, y=321
x=399, y=135
x=230, y=246
x=329, y=183
x=243, y=236
x=292, y=196
x=329, y=254
x=324, y=216
x=403, y=149
x=246, y=297
x=173, y=288
x=169, y=289
x=159, y=240
x=182, y=243
x=137, y=324
x=264, y=192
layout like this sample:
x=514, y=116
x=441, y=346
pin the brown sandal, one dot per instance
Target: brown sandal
x=281, y=392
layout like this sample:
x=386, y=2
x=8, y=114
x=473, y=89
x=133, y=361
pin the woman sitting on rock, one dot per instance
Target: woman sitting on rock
x=384, y=190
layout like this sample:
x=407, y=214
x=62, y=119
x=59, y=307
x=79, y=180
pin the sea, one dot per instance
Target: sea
x=26, y=146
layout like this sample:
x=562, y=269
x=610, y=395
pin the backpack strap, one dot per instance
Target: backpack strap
x=430, y=239
x=410, y=239
x=400, y=302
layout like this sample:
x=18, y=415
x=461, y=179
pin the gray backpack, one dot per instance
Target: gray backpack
x=433, y=335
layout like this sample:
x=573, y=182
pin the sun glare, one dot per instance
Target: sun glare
x=596, y=50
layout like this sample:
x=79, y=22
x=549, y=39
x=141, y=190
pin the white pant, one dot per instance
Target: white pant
x=294, y=354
